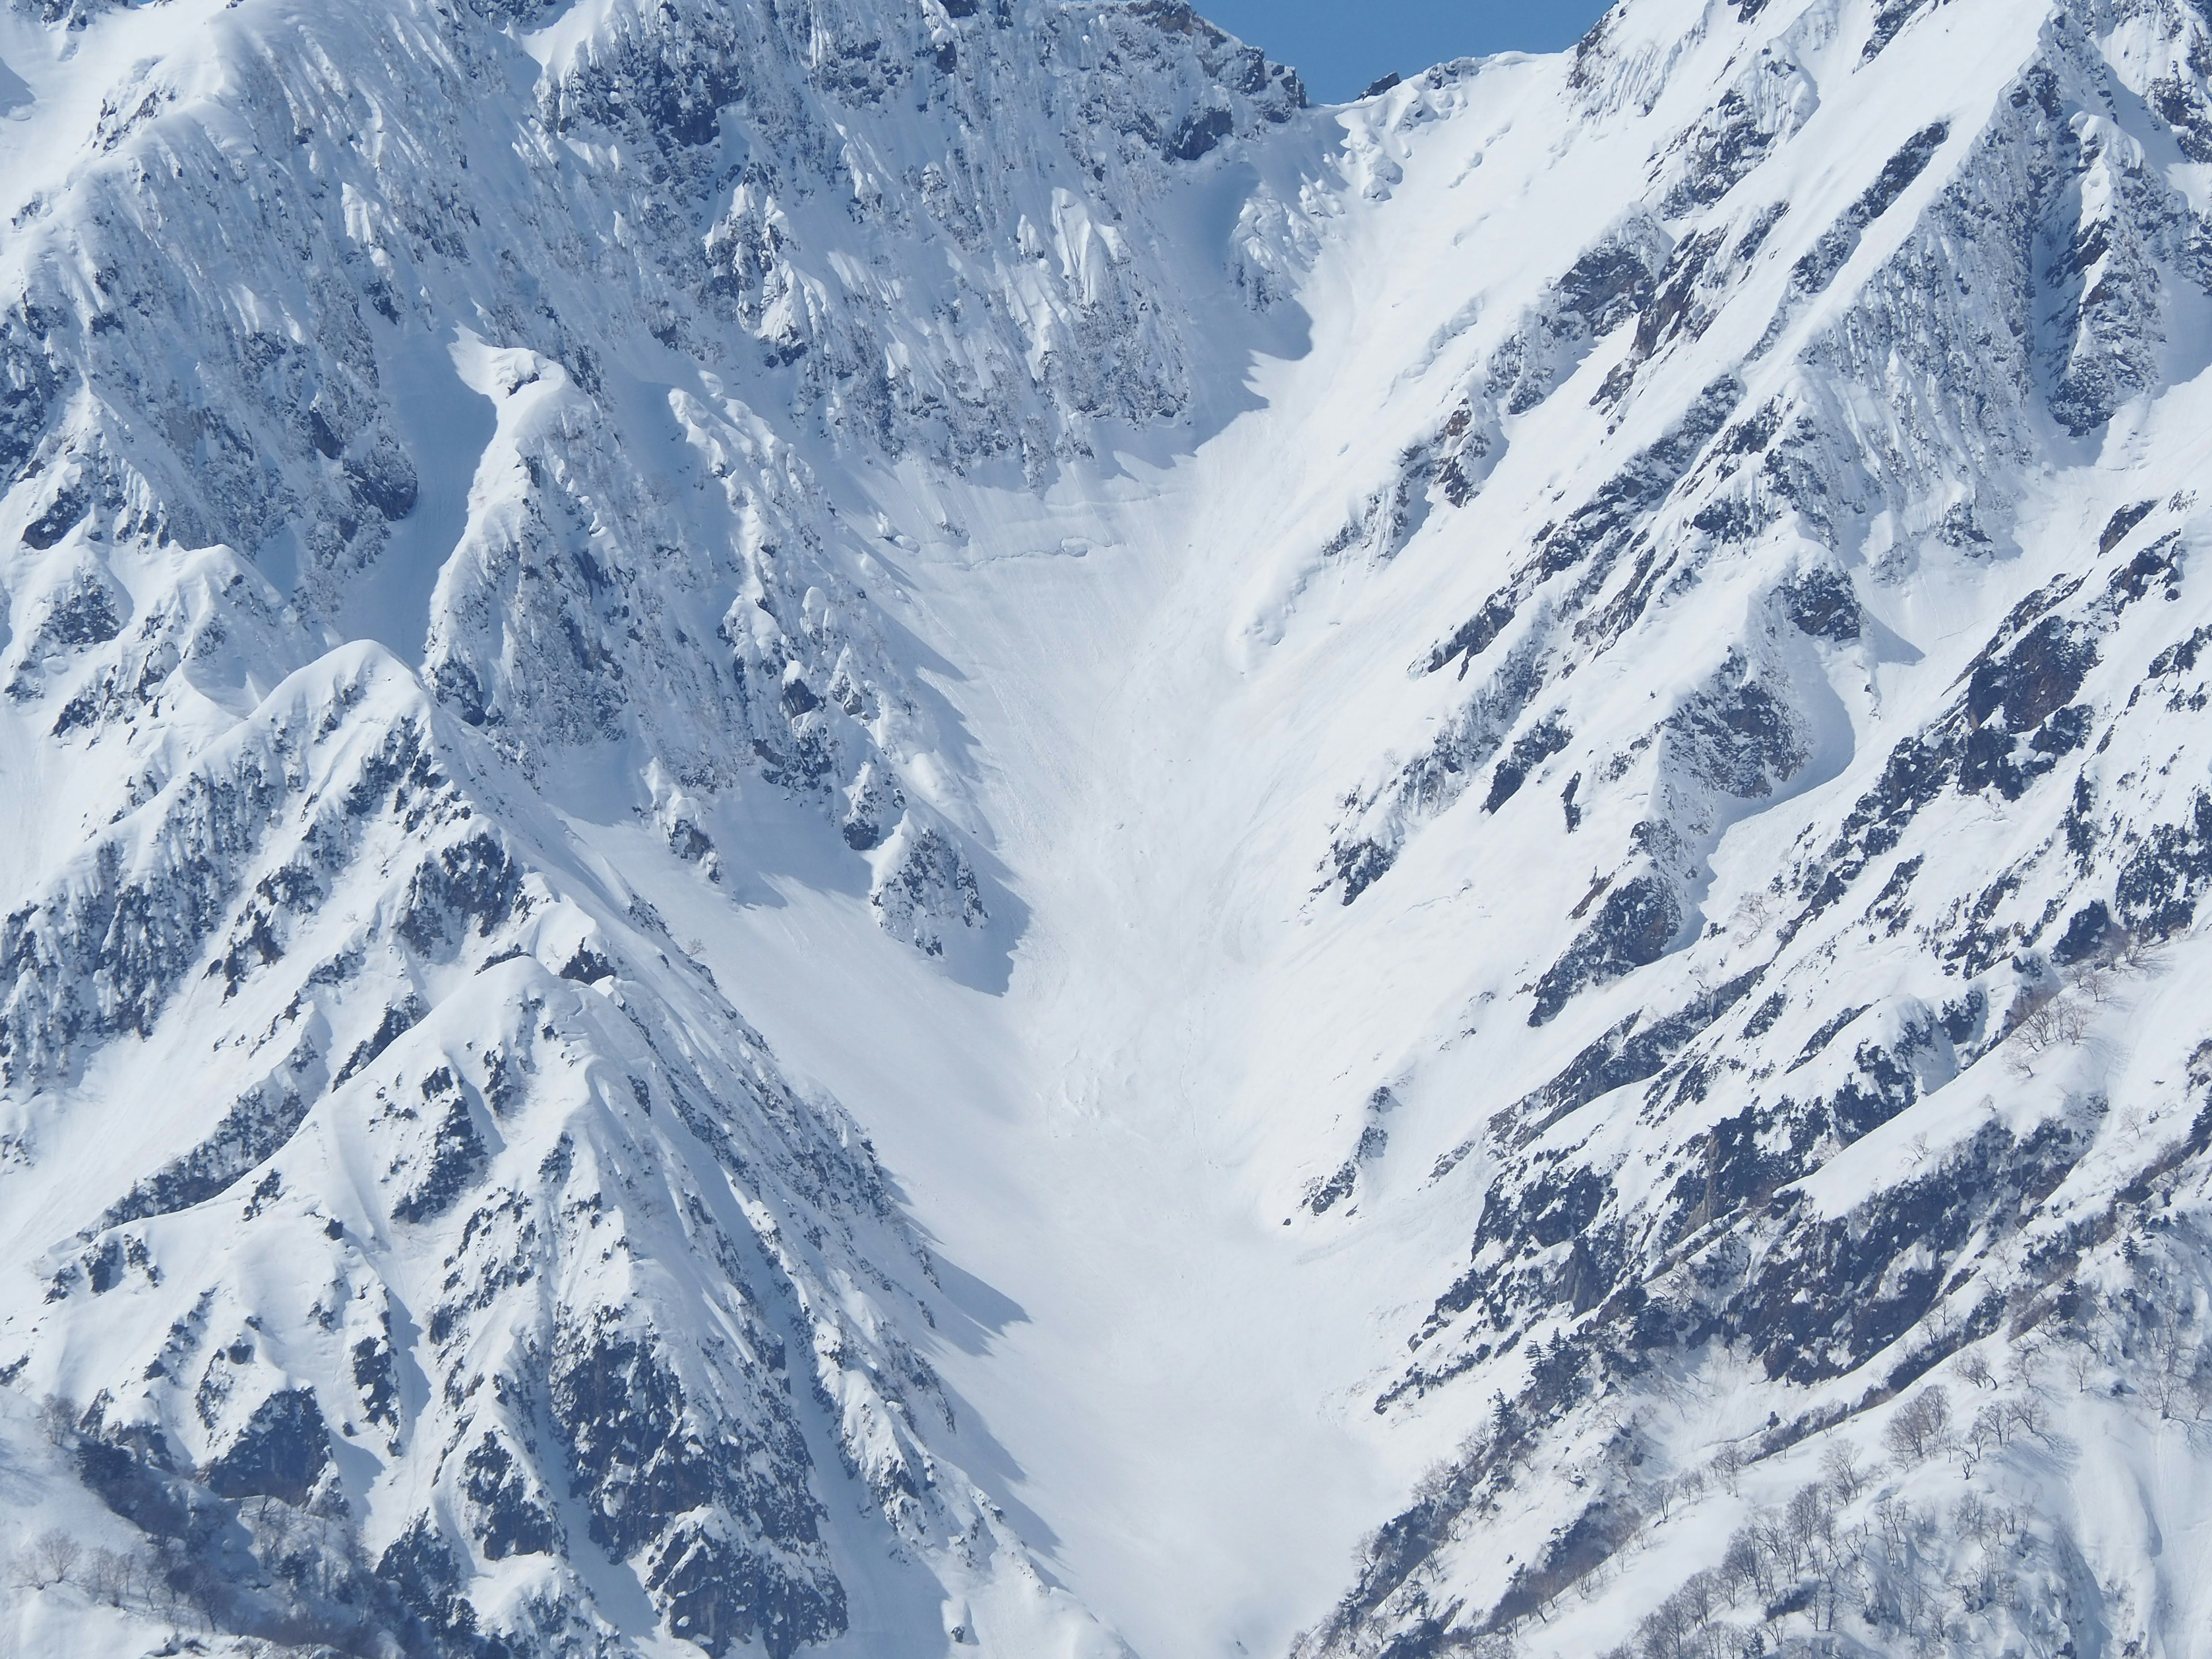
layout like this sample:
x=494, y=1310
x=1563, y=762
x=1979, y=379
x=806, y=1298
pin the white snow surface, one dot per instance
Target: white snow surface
x=908, y=829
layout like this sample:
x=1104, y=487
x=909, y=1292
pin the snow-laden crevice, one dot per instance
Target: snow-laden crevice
x=444, y=405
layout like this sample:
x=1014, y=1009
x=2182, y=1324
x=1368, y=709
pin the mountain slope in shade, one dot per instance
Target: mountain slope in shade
x=933, y=833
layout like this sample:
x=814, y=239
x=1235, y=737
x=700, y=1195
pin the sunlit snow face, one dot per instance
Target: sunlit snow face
x=935, y=833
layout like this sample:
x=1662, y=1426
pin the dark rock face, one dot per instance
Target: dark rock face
x=873, y=810
x=1822, y=603
x=1601, y=527
x=926, y=890
x=1639, y=921
x=1473, y=637
x=457, y=1155
x=1532, y=749
x=423, y=1574
x=651, y=1486
x=1738, y=736
x=1862, y=1155
x=2156, y=890
x=509, y=1519
x=281, y=1452
x=1817, y=267
x=2032, y=680
x=256, y=1127
x=1367, y=843
x=593, y=1276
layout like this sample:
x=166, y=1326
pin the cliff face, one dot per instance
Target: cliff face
x=1495, y=799
x=417, y=418
x=1834, y=1257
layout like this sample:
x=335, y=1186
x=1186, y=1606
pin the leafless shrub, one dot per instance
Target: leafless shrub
x=197, y=1588
x=1893, y=1522
x=2179, y=1379
x=2200, y=1065
x=1810, y=1516
x=1682, y=1626
x=2081, y=1362
x=2136, y=953
x=1752, y=913
x=1783, y=1548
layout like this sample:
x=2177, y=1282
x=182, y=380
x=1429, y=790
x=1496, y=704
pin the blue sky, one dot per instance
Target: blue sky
x=1339, y=46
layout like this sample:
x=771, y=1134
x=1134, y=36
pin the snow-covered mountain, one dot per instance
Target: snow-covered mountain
x=899, y=826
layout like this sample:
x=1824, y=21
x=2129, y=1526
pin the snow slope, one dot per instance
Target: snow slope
x=922, y=830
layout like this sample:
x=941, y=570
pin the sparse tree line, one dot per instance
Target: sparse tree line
x=1818, y=1558
x=2055, y=1014
x=1912, y=1572
x=313, y=1589
x=170, y=1584
x=2130, y=1322
x=164, y=1584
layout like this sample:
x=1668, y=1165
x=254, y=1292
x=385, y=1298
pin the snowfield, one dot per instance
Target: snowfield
x=902, y=830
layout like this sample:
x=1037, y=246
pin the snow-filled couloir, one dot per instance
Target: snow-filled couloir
x=900, y=826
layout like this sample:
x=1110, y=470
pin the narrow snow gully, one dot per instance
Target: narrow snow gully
x=1164, y=678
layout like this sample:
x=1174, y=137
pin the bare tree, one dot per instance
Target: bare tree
x=1784, y=1542
x=200, y=1588
x=1839, y=1465
x=163, y=1594
x=1811, y=1519
x=2200, y=1065
x=1700, y=1597
x=52, y=1557
x=113, y=1576
x=1916, y=1428
x=2081, y=1362
x=2136, y=952
x=1667, y=1631
x=1975, y=1369
x=1745, y=1569
x=2029, y=1414
x=58, y=1417
x=1893, y=1522
x=2057, y=1022
x=1728, y=1465
x=1971, y=1517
